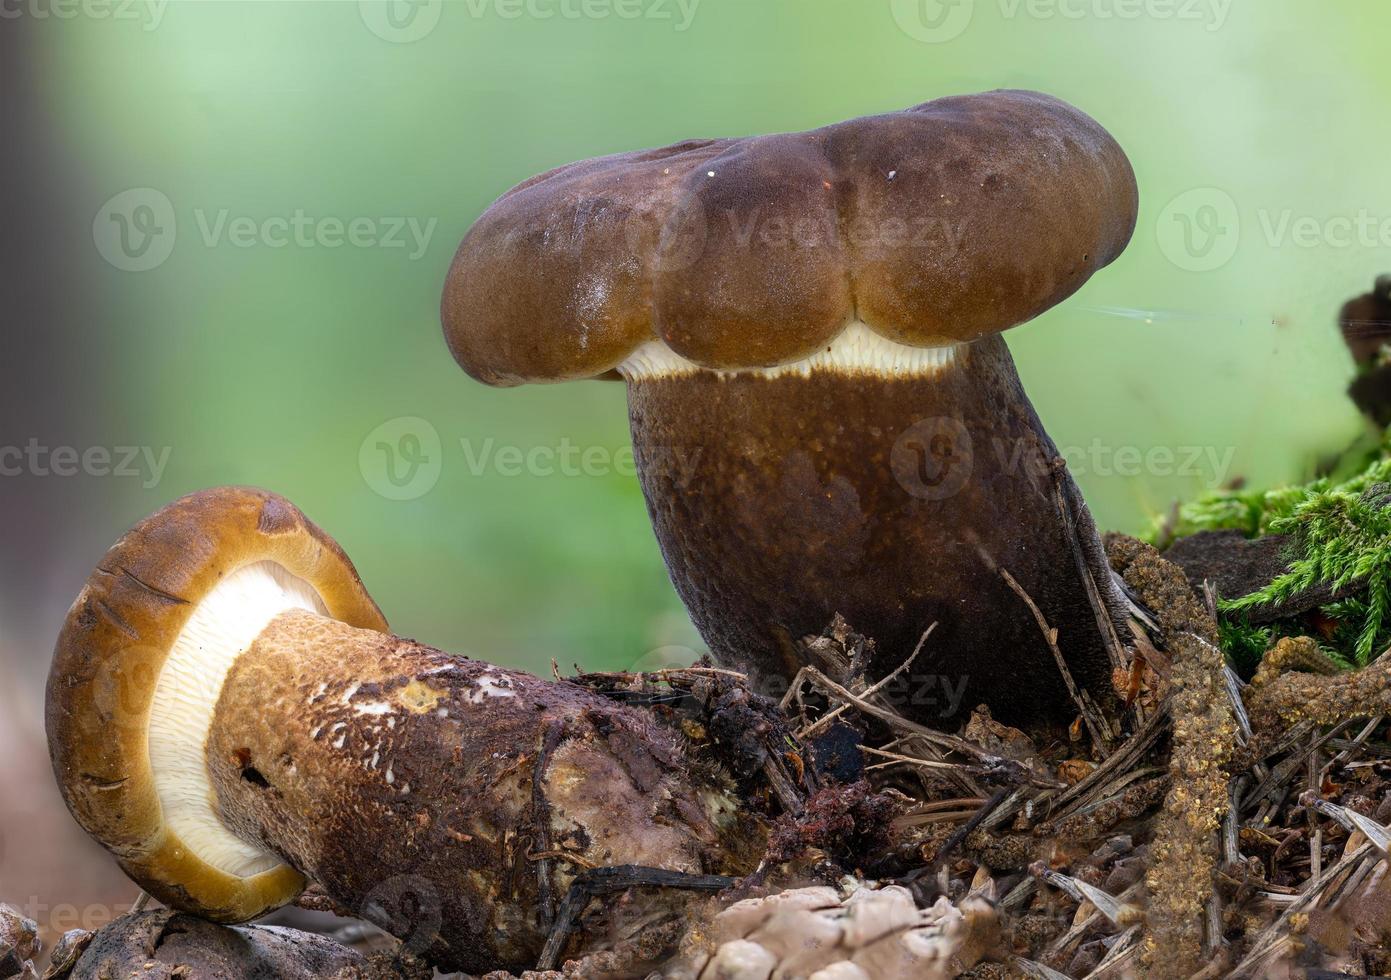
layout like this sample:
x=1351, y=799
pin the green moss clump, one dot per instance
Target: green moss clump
x=1243, y=643
x=1340, y=535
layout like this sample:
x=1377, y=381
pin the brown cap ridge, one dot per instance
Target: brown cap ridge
x=936, y=225
x=107, y=663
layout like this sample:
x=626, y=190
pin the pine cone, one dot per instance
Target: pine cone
x=872, y=935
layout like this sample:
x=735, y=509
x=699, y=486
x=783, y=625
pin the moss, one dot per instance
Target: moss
x=1221, y=511
x=1340, y=533
x=1343, y=539
x=1254, y=512
x=1243, y=643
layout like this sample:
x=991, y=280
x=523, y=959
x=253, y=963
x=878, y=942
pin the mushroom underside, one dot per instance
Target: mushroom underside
x=220, y=627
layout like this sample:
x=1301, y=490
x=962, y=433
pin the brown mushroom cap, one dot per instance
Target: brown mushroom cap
x=936, y=225
x=107, y=665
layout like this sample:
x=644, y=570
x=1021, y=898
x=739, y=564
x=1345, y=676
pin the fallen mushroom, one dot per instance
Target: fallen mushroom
x=824, y=415
x=228, y=716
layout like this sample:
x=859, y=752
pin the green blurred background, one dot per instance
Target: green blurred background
x=1257, y=129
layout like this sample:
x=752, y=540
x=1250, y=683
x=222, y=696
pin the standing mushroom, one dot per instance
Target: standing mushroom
x=824, y=415
x=229, y=717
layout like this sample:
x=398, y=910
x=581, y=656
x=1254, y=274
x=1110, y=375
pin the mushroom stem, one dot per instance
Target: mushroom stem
x=891, y=493
x=420, y=788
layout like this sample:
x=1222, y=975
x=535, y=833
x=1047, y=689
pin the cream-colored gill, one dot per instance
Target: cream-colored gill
x=855, y=350
x=221, y=628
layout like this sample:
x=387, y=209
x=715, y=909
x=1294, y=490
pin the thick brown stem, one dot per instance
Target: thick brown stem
x=405, y=781
x=893, y=499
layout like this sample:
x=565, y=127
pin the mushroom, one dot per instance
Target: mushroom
x=229, y=717
x=824, y=415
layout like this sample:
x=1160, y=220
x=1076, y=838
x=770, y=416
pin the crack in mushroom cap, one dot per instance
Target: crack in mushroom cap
x=929, y=227
x=137, y=671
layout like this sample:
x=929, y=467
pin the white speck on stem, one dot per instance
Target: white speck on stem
x=490, y=686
